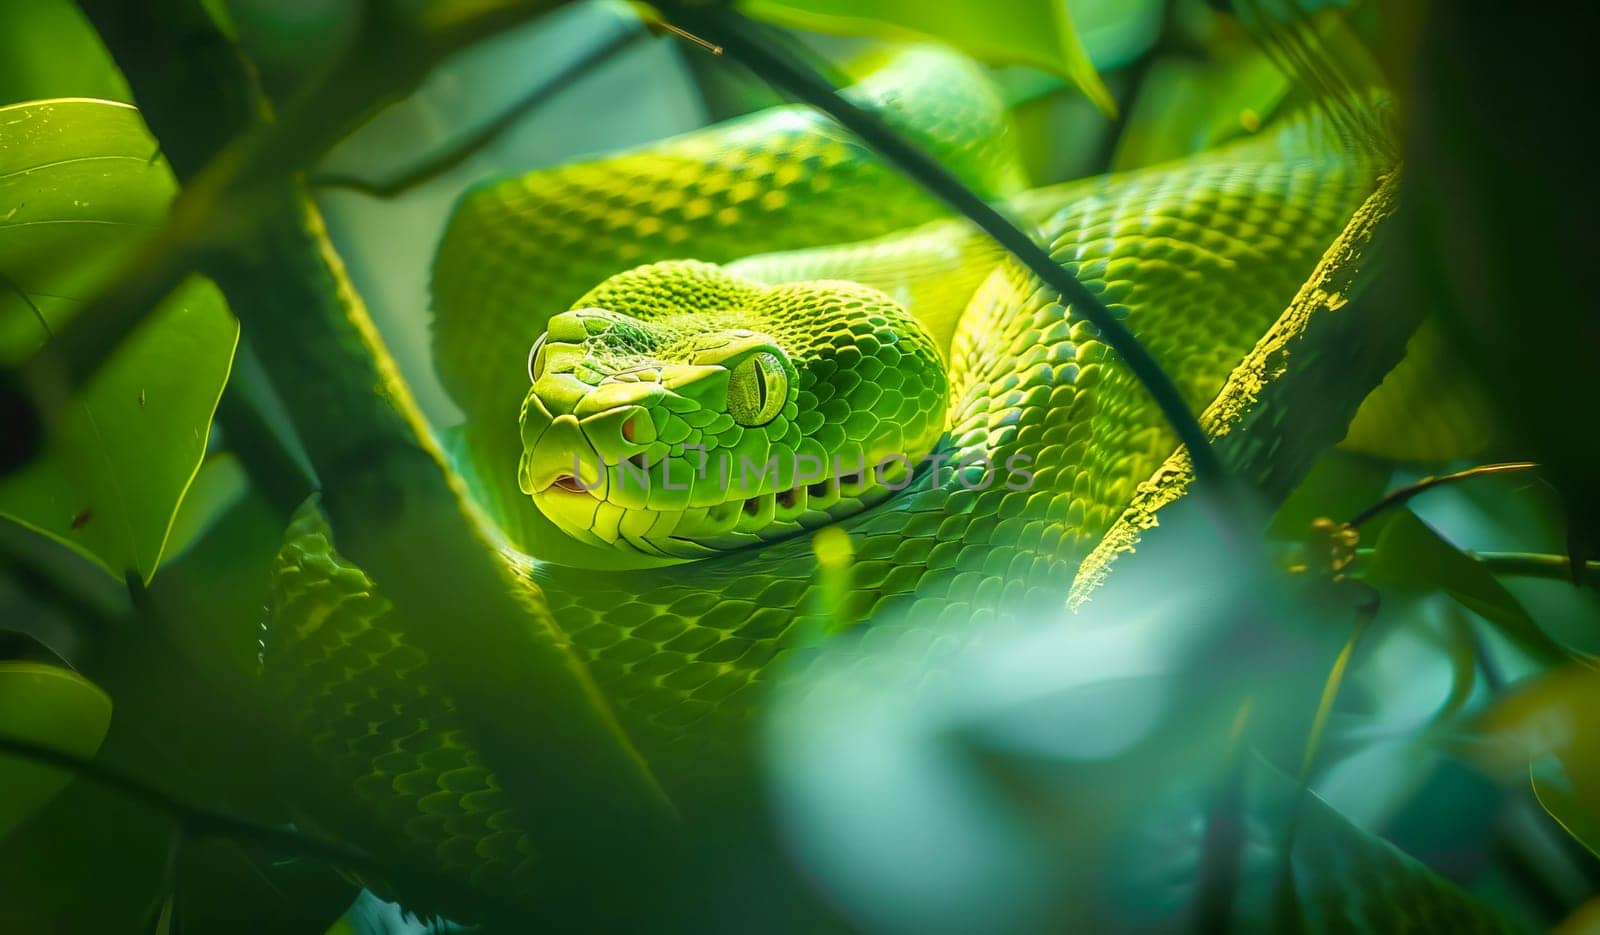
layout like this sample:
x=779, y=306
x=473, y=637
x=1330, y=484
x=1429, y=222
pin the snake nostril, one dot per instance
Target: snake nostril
x=627, y=429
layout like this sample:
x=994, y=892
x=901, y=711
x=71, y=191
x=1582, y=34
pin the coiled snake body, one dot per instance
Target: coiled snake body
x=850, y=320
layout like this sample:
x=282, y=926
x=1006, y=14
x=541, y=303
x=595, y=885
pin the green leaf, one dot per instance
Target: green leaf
x=1347, y=880
x=1431, y=406
x=48, y=49
x=218, y=486
x=1551, y=723
x=1025, y=32
x=1555, y=792
x=53, y=707
x=1189, y=106
x=78, y=191
x=1410, y=555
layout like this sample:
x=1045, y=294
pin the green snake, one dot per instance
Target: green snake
x=690, y=358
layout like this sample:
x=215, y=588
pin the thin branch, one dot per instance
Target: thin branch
x=732, y=31
x=475, y=142
x=1541, y=565
x=1398, y=497
x=195, y=820
x=1533, y=565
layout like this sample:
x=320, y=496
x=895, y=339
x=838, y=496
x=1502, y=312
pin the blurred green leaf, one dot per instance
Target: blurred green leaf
x=1551, y=723
x=47, y=49
x=1186, y=107
x=54, y=707
x=166, y=922
x=1039, y=33
x=1580, y=817
x=1431, y=406
x=1410, y=555
x=1347, y=880
x=217, y=487
x=78, y=190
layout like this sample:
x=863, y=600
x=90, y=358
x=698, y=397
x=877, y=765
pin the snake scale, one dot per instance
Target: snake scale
x=766, y=287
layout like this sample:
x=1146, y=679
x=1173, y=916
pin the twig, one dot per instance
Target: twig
x=1533, y=565
x=711, y=47
x=743, y=44
x=194, y=820
x=476, y=141
x=1404, y=494
x=1540, y=565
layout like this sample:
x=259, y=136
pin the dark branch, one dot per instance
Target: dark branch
x=1398, y=497
x=1533, y=565
x=475, y=142
x=744, y=44
x=197, y=821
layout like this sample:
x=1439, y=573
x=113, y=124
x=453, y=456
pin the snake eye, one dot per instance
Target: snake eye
x=535, y=360
x=757, y=389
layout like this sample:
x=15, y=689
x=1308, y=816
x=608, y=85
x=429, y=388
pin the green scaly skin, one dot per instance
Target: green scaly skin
x=934, y=343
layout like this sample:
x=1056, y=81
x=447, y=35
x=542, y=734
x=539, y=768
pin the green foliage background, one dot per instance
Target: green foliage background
x=1458, y=773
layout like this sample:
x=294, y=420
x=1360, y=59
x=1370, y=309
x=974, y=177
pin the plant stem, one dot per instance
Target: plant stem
x=1532, y=565
x=1398, y=497
x=744, y=44
x=476, y=141
x=193, y=819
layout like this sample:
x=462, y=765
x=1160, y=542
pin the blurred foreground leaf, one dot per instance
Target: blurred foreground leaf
x=1189, y=106
x=78, y=190
x=1409, y=555
x=1551, y=723
x=54, y=707
x=1064, y=777
x=1346, y=880
x=1580, y=816
x=1025, y=32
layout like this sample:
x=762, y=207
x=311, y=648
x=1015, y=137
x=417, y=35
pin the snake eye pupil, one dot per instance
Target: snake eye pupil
x=536, y=360
x=757, y=389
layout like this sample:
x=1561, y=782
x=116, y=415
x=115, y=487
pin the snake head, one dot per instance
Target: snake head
x=677, y=410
